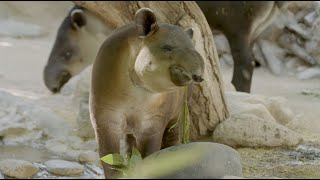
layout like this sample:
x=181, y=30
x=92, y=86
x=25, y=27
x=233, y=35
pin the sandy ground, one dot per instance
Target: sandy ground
x=22, y=62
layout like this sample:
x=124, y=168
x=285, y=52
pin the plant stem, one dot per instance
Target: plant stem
x=185, y=139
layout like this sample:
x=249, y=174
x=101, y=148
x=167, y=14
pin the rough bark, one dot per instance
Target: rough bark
x=207, y=105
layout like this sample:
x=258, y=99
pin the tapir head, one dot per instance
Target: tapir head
x=167, y=59
x=77, y=42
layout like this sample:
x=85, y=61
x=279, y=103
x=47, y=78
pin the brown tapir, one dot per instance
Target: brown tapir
x=241, y=21
x=137, y=85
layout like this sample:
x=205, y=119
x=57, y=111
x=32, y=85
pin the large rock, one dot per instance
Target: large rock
x=296, y=6
x=257, y=55
x=213, y=161
x=294, y=65
x=295, y=34
x=309, y=73
x=23, y=121
x=64, y=168
x=274, y=30
x=272, y=55
x=18, y=168
x=85, y=128
x=222, y=44
x=88, y=157
x=244, y=97
x=89, y=145
x=79, y=85
x=83, y=86
x=293, y=25
x=227, y=58
x=240, y=103
x=247, y=108
x=251, y=131
x=228, y=86
x=279, y=108
x=62, y=106
x=289, y=41
x=275, y=109
x=312, y=46
x=70, y=147
x=13, y=125
x=310, y=18
x=78, y=88
x=257, y=121
x=51, y=123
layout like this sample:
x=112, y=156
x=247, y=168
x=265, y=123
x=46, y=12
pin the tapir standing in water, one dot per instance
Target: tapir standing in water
x=137, y=86
x=81, y=34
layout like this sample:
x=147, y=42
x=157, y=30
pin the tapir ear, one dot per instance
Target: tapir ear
x=77, y=18
x=146, y=22
x=190, y=33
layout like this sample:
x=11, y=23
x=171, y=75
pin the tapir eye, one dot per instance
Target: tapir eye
x=67, y=55
x=167, y=48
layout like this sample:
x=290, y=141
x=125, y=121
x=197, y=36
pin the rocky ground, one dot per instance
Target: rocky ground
x=287, y=52
x=275, y=130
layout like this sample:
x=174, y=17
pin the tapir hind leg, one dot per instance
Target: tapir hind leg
x=243, y=62
x=170, y=137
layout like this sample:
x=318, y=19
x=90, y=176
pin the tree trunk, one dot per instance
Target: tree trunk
x=207, y=105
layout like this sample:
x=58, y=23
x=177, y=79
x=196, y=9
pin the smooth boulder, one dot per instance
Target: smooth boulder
x=19, y=169
x=64, y=168
x=213, y=161
x=249, y=130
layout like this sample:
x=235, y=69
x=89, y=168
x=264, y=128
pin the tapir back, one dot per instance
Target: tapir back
x=235, y=16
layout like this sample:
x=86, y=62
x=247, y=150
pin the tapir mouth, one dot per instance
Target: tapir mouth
x=197, y=78
x=62, y=79
x=184, y=73
x=181, y=77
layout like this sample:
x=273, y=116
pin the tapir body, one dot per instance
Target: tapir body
x=137, y=87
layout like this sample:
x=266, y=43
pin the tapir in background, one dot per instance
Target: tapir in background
x=81, y=34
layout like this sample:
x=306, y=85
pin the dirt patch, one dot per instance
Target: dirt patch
x=300, y=162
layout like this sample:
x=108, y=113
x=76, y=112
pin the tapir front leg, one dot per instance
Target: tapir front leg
x=243, y=62
x=108, y=135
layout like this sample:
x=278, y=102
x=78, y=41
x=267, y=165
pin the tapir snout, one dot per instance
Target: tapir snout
x=189, y=65
x=54, y=79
